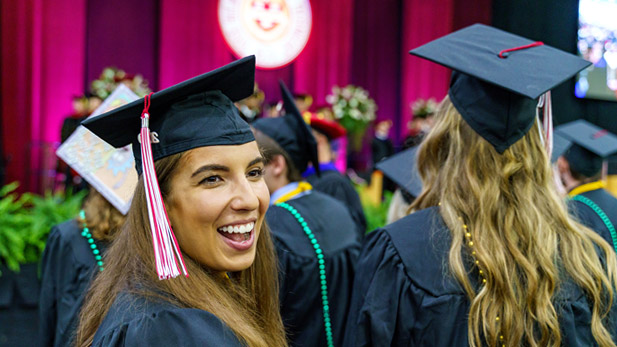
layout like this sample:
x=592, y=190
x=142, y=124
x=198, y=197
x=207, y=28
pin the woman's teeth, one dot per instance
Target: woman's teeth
x=238, y=229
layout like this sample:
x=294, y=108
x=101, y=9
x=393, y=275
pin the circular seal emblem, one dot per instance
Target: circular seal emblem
x=276, y=31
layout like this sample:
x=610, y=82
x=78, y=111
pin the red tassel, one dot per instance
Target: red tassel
x=535, y=44
x=166, y=250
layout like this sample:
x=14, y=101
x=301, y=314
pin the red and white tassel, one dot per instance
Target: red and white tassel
x=166, y=250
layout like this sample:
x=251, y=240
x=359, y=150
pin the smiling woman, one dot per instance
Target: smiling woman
x=210, y=208
x=218, y=203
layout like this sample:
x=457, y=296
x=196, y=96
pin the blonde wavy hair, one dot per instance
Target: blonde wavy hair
x=524, y=240
x=247, y=302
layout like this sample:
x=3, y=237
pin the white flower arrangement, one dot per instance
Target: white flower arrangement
x=111, y=77
x=422, y=108
x=352, y=107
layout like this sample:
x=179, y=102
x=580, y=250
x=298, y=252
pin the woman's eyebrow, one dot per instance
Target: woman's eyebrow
x=257, y=161
x=211, y=167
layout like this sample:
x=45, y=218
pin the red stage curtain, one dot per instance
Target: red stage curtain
x=191, y=42
x=424, y=21
x=43, y=50
x=326, y=59
x=377, y=54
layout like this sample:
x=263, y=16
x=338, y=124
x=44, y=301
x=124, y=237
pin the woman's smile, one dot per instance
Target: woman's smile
x=239, y=235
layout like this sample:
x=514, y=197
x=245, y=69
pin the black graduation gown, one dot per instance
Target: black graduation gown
x=134, y=320
x=19, y=298
x=589, y=218
x=339, y=187
x=401, y=297
x=67, y=268
x=300, y=287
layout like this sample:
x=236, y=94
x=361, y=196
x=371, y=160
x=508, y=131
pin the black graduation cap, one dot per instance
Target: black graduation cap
x=591, y=145
x=496, y=95
x=291, y=133
x=195, y=113
x=402, y=169
x=560, y=145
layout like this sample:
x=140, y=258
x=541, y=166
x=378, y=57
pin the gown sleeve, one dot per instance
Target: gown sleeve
x=384, y=302
x=172, y=327
x=49, y=294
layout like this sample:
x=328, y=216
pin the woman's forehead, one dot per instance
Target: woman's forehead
x=227, y=155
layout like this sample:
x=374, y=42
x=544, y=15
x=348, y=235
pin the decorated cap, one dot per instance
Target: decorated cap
x=497, y=78
x=196, y=113
x=591, y=145
x=331, y=129
x=291, y=133
x=401, y=168
x=109, y=170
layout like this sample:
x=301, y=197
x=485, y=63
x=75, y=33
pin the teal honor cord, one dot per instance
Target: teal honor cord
x=322, y=269
x=88, y=236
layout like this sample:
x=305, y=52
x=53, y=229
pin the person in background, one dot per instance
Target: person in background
x=490, y=256
x=331, y=181
x=303, y=102
x=580, y=169
x=73, y=255
x=251, y=107
x=273, y=109
x=93, y=102
x=402, y=169
x=421, y=123
x=315, y=237
x=382, y=146
x=74, y=250
x=194, y=264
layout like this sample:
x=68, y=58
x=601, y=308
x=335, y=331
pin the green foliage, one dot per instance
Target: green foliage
x=376, y=216
x=14, y=220
x=25, y=222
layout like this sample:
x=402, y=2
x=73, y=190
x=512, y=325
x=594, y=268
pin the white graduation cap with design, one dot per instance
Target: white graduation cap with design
x=107, y=169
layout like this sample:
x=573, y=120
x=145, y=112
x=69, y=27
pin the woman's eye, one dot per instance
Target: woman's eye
x=211, y=180
x=256, y=173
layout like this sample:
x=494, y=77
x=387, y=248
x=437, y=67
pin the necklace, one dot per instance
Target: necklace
x=88, y=236
x=470, y=244
x=322, y=269
x=477, y=262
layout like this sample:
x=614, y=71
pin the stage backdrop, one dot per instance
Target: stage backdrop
x=555, y=23
x=51, y=50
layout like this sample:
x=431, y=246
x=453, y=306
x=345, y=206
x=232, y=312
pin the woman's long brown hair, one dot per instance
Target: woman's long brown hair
x=523, y=238
x=248, y=304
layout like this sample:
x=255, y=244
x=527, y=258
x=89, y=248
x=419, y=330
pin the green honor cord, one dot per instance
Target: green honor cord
x=88, y=236
x=601, y=214
x=322, y=269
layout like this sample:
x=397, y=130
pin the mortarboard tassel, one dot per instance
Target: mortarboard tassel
x=166, y=250
x=547, y=121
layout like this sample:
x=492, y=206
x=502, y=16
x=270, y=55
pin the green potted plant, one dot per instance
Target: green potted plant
x=25, y=222
x=15, y=222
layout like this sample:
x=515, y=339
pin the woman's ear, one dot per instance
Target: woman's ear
x=563, y=165
x=278, y=165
